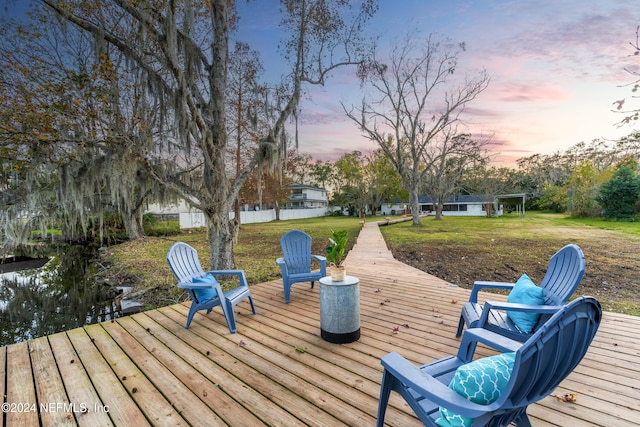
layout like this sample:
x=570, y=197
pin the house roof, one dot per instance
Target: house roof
x=297, y=186
x=457, y=199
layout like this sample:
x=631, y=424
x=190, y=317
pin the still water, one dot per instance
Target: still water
x=63, y=294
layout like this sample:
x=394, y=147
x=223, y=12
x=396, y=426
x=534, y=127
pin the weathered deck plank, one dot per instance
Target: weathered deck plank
x=77, y=383
x=111, y=388
x=22, y=409
x=146, y=369
x=49, y=387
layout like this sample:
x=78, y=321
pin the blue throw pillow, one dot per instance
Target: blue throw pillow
x=205, y=294
x=525, y=292
x=481, y=381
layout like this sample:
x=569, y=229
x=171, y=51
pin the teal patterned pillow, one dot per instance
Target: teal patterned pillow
x=205, y=294
x=525, y=292
x=480, y=381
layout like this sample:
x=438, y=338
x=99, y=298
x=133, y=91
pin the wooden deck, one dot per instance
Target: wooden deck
x=146, y=369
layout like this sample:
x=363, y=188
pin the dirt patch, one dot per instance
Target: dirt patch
x=612, y=274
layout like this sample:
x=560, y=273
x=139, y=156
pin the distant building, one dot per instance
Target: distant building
x=459, y=205
x=307, y=196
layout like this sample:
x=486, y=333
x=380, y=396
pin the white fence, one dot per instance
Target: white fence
x=195, y=219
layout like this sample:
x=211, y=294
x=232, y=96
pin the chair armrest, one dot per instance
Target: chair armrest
x=320, y=258
x=239, y=273
x=512, y=306
x=191, y=285
x=477, y=286
x=473, y=336
x=432, y=389
x=323, y=263
x=283, y=266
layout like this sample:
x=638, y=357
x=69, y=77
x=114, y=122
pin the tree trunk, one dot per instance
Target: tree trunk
x=132, y=220
x=220, y=232
x=415, y=206
x=438, y=212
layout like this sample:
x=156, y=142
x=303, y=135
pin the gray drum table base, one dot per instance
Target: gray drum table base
x=340, y=310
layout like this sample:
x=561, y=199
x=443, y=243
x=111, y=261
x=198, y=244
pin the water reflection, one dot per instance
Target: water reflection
x=61, y=295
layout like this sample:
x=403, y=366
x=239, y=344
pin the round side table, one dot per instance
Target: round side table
x=340, y=310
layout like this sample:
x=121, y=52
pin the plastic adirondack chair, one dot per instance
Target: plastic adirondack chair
x=295, y=262
x=203, y=288
x=564, y=273
x=541, y=363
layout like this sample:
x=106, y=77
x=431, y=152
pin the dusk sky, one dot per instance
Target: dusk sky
x=556, y=67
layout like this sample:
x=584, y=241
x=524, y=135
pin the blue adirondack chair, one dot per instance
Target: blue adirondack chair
x=295, y=262
x=537, y=367
x=202, y=286
x=564, y=273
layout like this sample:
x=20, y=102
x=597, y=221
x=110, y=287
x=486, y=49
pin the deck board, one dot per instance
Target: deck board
x=77, y=383
x=49, y=386
x=21, y=394
x=277, y=371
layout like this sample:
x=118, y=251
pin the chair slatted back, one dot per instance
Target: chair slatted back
x=565, y=271
x=552, y=353
x=296, y=251
x=184, y=262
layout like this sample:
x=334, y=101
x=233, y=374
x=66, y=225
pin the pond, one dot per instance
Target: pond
x=55, y=295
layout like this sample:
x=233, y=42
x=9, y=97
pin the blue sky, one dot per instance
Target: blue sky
x=556, y=68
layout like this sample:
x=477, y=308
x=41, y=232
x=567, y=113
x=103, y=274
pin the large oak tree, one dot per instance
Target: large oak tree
x=182, y=50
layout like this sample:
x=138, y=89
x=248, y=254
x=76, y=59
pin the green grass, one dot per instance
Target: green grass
x=470, y=229
x=627, y=227
x=462, y=250
x=162, y=228
x=457, y=249
x=143, y=261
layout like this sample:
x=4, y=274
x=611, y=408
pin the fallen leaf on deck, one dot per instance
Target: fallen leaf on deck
x=569, y=397
x=299, y=349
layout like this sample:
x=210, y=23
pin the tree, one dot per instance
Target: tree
x=351, y=192
x=619, y=196
x=447, y=161
x=70, y=119
x=415, y=102
x=384, y=183
x=244, y=99
x=631, y=114
x=488, y=182
x=182, y=50
x=321, y=174
x=581, y=189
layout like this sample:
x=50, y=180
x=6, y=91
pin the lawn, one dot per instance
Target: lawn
x=143, y=262
x=464, y=249
x=457, y=249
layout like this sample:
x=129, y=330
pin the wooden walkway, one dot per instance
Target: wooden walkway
x=146, y=369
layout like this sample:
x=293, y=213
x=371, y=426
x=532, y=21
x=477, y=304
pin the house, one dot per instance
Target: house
x=459, y=205
x=306, y=196
x=305, y=201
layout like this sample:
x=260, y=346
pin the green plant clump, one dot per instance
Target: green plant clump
x=335, y=251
